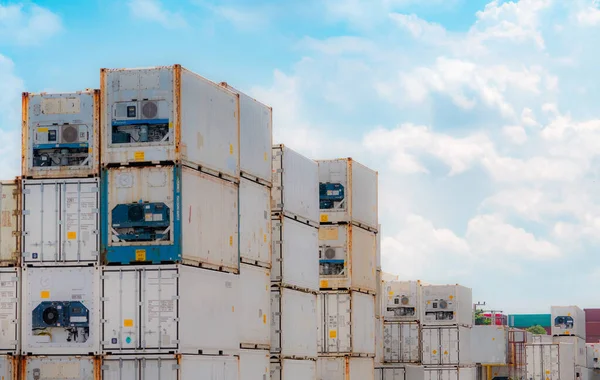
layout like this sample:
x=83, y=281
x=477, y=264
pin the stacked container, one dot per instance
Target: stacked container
x=294, y=275
x=592, y=325
x=568, y=326
x=348, y=265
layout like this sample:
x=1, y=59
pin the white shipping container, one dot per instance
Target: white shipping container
x=584, y=373
x=9, y=367
x=402, y=300
x=10, y=321
x=59, y=367
x=555, y=361
x=347, y=258
x=255, y=223
x=60, y=310
x=291, y=369
x=294, y=323
x=378, y=341
x=254, y=365
x=346, y=323
x=9, y=222
x=541, y=338
x=255, y=307
x=450, y=373
x=446, y=346
x=593, y=355
x=158, y=367
x=169, y=308
x=345, y=368
x=568, y=320
x=61, y=134
x=378, y=257
x=401, y=342
x=396, y=372
x=61, y=221
x=578, y=345
x=358, y=204
x=378, y=294
x=489, y=344
x=169, y=114
x=449, y=305
x=256, y=138
x=295, y=190
x=295, y=254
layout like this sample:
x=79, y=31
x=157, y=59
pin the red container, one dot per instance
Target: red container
x=592, y=339
x=592, y=315
x=548, y=330
x=501, y=319
x=592, y=328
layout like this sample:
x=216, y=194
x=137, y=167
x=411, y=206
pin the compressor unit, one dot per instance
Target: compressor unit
x=143, y=221
x=72, y=317
x=331, y=195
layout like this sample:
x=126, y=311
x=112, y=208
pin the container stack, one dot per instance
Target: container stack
x=294, y=275
x=568, y=326
x=348, y=263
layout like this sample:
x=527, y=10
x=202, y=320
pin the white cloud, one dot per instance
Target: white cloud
x=11, y=87
x=27, y=24
x=515, y=133
x=590, y=15
x=153, y=10
x=420, y=28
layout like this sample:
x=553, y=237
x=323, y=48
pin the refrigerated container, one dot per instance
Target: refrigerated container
x=58, y=368
x=593, y=355
x=401, y=342
x=450, y=373
x=61, y=134
x=294, y=323
x=568, y=320
x=295, y=190
x=256, y=138
x=446, y=346
x=402, y=300
x=348, y=193
x=346, y=323
x=60, y=310
x=60, y=221
x=9, y=367
x=397, y=372
x=347, y=258
x=169, y=308
x=584, y=373
x=292, y=369
x=10, y=218
x=254, y=365
x=255, y=223
x=255, y=307
x=10, y=315
x=554, y=361
x=489, y=344
x=578, y=346
x=295, y=254
x=345, y=368
x=169, y=114
x=169, y=214
x=446, y=305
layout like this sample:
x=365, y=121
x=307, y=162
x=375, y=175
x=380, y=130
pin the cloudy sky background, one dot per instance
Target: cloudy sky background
x=482, y=118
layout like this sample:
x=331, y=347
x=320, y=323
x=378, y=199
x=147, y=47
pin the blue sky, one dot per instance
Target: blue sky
x=482, y=117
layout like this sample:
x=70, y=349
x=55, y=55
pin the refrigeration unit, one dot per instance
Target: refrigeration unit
x=568, y=320
x=255, y=223
x=402, y=300
x=10, y=222
x=449, y=305
x=446, y=346
x=10, y=315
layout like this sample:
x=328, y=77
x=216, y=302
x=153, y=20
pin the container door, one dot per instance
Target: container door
x=79, y=233
x=300, y=255
x=254, y=303
x=255, y=219
x=364, y=252
x=120, y=305
x=411, y=352
x=298, y=324
x=41, y=221
x=401, y=343
x=9, y=310
x=118, y=369
x=297, y=370
x=159, y=306
x=158, y=369
x=254, y=365
x=8, y=221
x=363, y=326
x=449, y=351
x=338, y=323
x=361, y=369
x=431, y=346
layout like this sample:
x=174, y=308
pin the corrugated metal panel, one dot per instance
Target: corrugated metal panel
x=401, y=342
x=528, y=320
x=289, y=369
x=593, y=339
x=255, y=223
x=592, y=315
x=9, y=222
x=254, y=303
x=10, y=321
x=59, y=367
x=592, y=328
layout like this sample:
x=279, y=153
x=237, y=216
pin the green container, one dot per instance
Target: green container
x=528, y=320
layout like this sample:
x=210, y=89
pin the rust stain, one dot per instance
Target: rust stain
x=25, y=130
x=177, y=102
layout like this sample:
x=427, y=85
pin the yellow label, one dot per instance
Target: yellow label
x=265, y=238
x=328, y=233
x=43, y=129
x=233, y=309
x=493, y=338
x=332, y=334
x=170, y=124
x=547, y=372
x=128, y=323
x=435, y=352
x=45, y=294
x=140, y=255
x=265, y=319
x=567, y=332
x=324, y=284
x=231, y=241
x=230, y=148
x=445, y=352
x=266, y=156
x=324, y=218
x=138, y=156
x=90, y=150
x=450, y=297
x=71, y=235
x=568, y=314
x=391, y=293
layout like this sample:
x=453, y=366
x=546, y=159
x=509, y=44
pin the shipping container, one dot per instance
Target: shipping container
x=255, y=307
x=540, y=338
x=446, y=305
x=402, y=300
x=584, y=373
x=58, y=368
x=60, y=136
x=293, y=323
x=347, y=258
x=291, y=369
x=169, y=308
x=592, y=329
x=555, y=361
x=345, y=368
x=379, y=294
x=60, y=310
x=295, y=254
x=592, y=315
x=169, y=214
x=255, y=223
x=378, y=256
x=446, y=346
x=176, y=367
x=295, y=190
x=10, y=217
x=489, y=344
x=528, y=320
x=578, y=346
x=397, y=372
x=256, y=138
x=497, y=319
x=379, y=341
x=346, y=323
x=593, y=355
x=450, y=373
x=61, y=221
x=254, y=365
x=9, y=367
x=10, y=321
x=401, y=342
x=593, y=339
x=169, y=114
x=568, y=320
x=348, y=193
